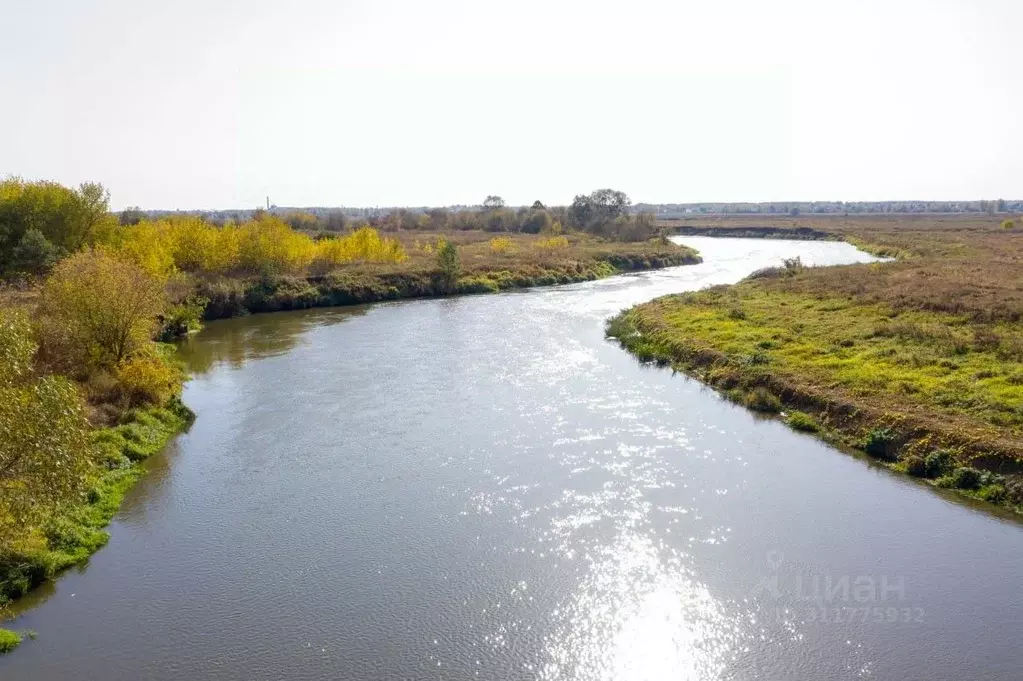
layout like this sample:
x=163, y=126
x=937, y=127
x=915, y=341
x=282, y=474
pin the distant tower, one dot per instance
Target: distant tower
x=268, y=203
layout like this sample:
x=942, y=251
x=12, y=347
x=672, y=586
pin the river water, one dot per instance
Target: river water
x=485, y=488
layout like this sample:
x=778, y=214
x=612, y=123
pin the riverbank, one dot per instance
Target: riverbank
x=76, y=531
x=487, y=264
x=515, y=261
x=918, y=362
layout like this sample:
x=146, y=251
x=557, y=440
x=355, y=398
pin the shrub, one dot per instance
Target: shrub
x=879, y=443
x=447, y=261
x=552, y=243
x=477, y=285
x=762, y=399
x=96, y=310
x=9, y=640
x=362, y=245
x=938, y=463
x=147, y=379
x=915, y=465
x=800, y=421
x=996, y=494
x=500, y=244
x=965, y=477
x=1008, y=223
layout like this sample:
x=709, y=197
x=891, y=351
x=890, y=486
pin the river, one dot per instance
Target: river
x=483, y=487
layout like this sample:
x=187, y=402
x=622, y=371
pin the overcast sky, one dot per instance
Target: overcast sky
x=206, y=104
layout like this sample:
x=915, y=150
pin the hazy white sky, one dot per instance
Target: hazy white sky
x=200, y=103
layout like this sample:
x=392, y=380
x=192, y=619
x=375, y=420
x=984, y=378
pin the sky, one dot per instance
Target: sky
x=218, y=104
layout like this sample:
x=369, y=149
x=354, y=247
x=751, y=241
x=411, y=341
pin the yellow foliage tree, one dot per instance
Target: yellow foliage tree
x=44, y=448
x=97, y=310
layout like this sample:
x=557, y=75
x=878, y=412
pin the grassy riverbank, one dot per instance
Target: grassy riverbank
x=487, y=263
x=919, y=362
x=75, y=532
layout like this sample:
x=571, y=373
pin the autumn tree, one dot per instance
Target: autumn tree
x=97, y=310
x=68, y=218
x=44, y=449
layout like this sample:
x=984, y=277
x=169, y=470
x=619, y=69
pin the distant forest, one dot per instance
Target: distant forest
x=660, y=210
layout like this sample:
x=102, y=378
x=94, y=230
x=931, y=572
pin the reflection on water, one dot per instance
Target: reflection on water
x=235, y=341
x=485, y=488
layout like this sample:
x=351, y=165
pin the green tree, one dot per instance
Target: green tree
x=132, y=215
x=447, y=261
x=536, y=222
x=493, y=202
x=34, y=253
x=69, y=218
x=44, y=448
x=595, y=211
x=96, y=310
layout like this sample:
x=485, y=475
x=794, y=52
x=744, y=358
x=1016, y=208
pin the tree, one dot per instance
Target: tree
x=537, y=205
x=132, y=215
x=438, y=218
x=34, y=254
x=336, y=221
x=44, y=447
x=69, y=218
x=97, y=310
x=447, y=261
x=594, y=211
x=537, y=221
x=493, y=202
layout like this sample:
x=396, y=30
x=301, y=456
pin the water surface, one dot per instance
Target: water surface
x=485, y=488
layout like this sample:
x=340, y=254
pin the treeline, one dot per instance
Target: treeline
x=43, y=222
x=605, y=212
x=681, y=210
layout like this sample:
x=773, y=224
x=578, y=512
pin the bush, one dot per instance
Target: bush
x=1008, y=223
x=477, y=285
x=762, y=399
x=916, y=466
x=996, y=494
x=800, y=421
x=97, y=310
x=500, y=244
x=552, y=243
x=447, y=261
x=9, y=640
x=1014, y=490
x=147, y=379
x=965, y=477
x=879, y=443
x=938, y=463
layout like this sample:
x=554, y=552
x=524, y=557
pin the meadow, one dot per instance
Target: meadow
x=913, y=361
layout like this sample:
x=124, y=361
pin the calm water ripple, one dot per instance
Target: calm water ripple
x=485, y=488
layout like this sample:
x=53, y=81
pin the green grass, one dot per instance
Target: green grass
x=75, y=533
x=9, y=640
x=899, y=383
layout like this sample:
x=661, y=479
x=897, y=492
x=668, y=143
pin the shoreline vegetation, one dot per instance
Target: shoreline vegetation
x=918, y=362
x=88, y=299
